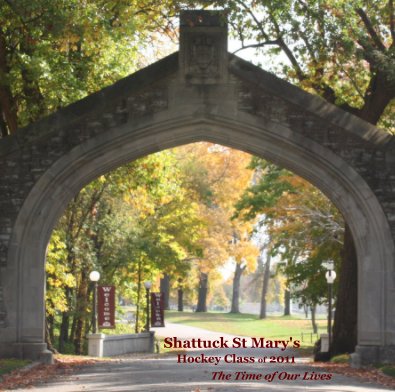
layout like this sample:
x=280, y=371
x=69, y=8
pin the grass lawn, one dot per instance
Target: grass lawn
x=274, y=327
x=8, y=365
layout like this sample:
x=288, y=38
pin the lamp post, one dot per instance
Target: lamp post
x=94, y=276
x=147, y=286
x=330, y=276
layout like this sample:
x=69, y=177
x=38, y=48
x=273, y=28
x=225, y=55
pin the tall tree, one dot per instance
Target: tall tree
x=202, y=292
x=217, y=175
x=265, y=257
x=165, y=289
x=344, y=340
x=244, y=254
x=59, y=282
x=342, y=50
x=303, y=226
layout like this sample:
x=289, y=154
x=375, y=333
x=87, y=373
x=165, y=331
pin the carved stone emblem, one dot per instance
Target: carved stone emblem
x=203, y=54
x=203, y=61
x=203, y=48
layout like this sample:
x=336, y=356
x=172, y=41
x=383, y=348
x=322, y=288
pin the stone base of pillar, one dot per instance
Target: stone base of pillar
x=152, y=342
x=46, y=357
x=95, y=344
x=33, y=351
x=324, y=343
x=367, y=355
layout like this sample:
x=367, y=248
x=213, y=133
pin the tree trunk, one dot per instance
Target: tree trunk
x=81, y=313
x=50, y=322
x=345, y=322
x=236, y=288
x=49, y=334
x=313, y=322
x=180, y=299
x=287, y=302
x=30, y=85
x=72, y=330
x=8, y=112
x=139, y=277
x=3, y=125
x=180, y=296
x=65, y=324
x=165, y=289
x=64, y=331
x=378, y=95
x=202, y=295
x=265, y=285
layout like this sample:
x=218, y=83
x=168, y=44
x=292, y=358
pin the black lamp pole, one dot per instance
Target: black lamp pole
x=94, y=276
x=94, y=313
x=330, y=278
x=330, y=313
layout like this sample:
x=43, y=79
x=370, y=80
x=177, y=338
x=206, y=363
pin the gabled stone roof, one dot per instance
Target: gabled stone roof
x=99, y=102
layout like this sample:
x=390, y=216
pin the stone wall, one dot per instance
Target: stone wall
x=101, y=345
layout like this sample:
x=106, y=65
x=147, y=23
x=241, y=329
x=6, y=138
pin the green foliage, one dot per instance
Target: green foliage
x=343, y=50
x=59, y=276
x=54, y=52
x=389, y=370
x=343, y=358
x=142, y=220
x=264, y=194
x=303, y=226
x=218, y=297
x=129, y=224
x=120, y=329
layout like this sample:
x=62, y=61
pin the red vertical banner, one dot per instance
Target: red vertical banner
x=157, y=310
x=106, y=306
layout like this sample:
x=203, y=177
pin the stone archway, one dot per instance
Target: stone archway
x=200, y=93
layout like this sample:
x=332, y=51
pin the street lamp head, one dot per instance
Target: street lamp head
x=94, y=276
x=329, y=265
x=147, y=285
x=330, y=276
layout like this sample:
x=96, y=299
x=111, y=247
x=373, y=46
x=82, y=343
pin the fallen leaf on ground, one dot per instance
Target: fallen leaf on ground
x=32, y=375
x=368, y=374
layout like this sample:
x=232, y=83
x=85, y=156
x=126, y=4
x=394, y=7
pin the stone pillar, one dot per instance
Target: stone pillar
x=324, y=342
x=203, y=47
x=152, y=341
x=95, y=344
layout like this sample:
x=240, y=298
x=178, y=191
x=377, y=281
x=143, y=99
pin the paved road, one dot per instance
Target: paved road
x=164, y=374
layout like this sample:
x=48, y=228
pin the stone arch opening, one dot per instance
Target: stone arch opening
x=86, y=162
